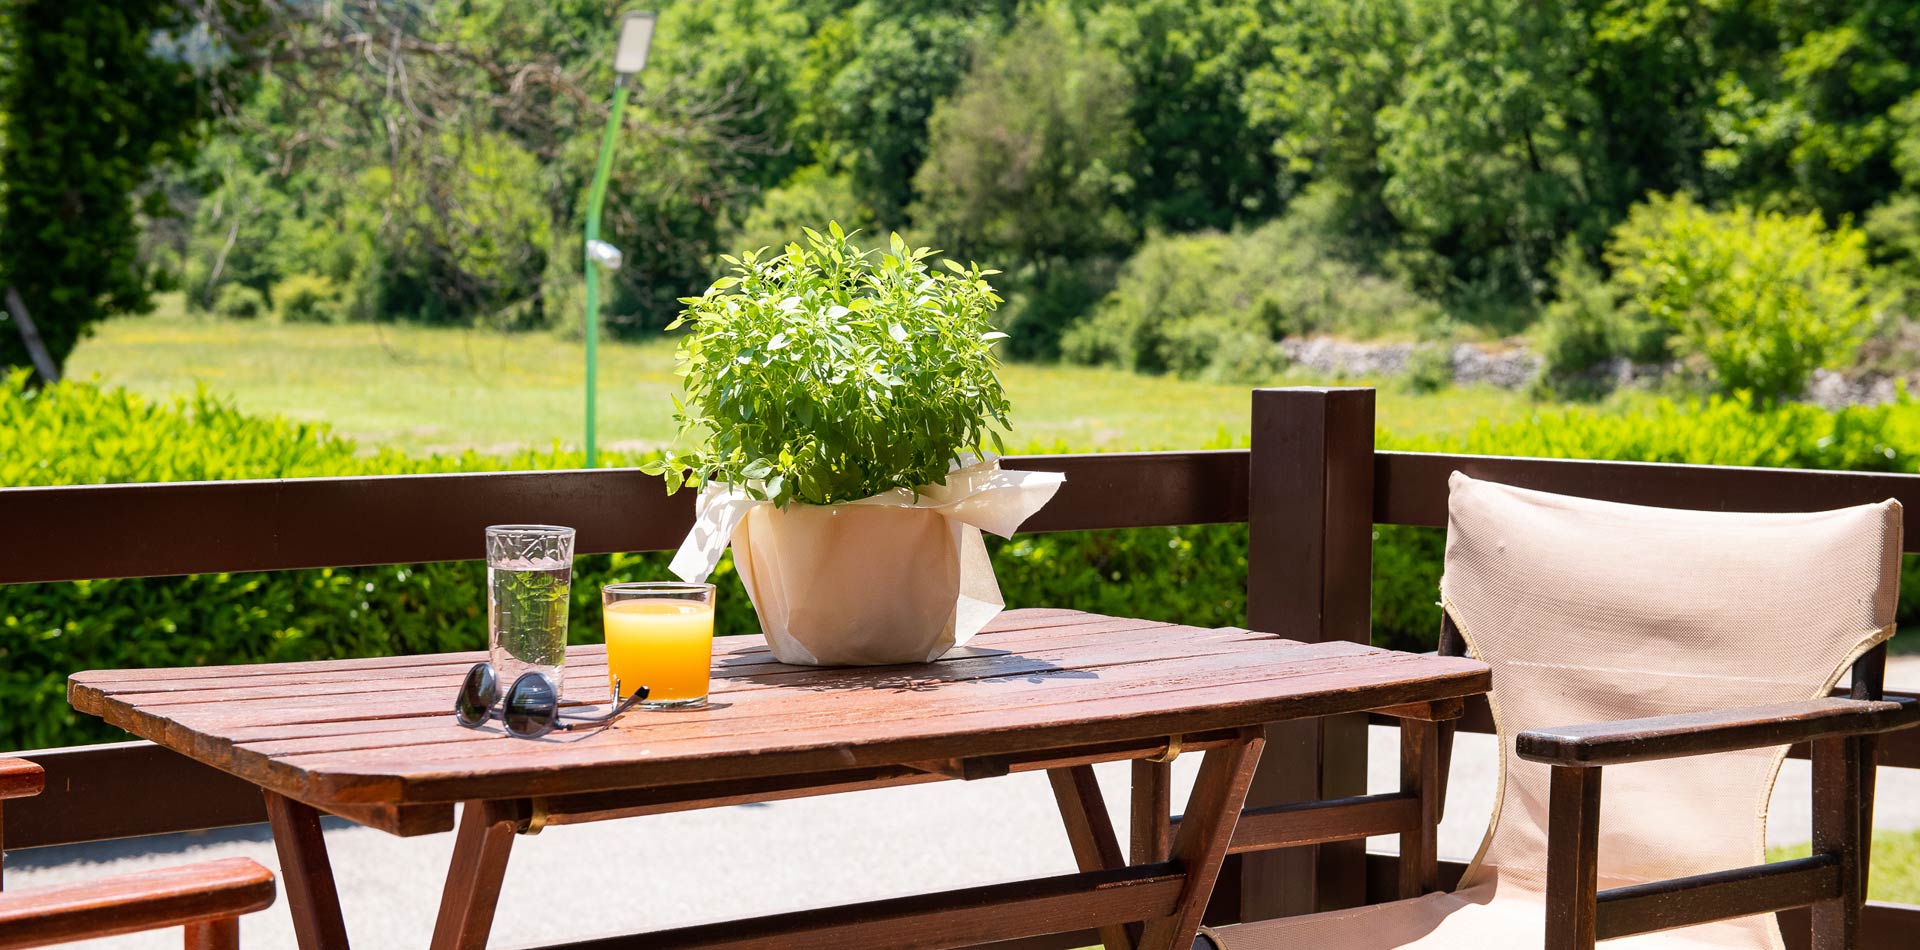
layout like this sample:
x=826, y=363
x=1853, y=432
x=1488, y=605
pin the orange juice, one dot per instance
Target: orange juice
x=664, y=645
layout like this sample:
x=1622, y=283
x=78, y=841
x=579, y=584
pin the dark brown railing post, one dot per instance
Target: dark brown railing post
x=1310, y=578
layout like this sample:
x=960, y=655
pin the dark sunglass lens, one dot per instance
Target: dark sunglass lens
x=532, y=705
x=476, y=695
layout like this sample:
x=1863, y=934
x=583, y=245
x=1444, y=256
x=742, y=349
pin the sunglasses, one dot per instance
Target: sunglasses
x=532, y=705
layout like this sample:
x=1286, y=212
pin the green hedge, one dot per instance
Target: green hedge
x=80, y=434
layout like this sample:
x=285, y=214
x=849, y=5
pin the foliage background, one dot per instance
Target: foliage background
x=427, y=160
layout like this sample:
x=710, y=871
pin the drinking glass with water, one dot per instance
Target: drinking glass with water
x=529, y=577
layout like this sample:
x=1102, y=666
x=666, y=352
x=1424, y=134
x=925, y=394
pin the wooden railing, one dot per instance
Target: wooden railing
x=91, y=532
x=1310, y=489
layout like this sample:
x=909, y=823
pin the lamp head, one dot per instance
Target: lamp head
x=636, y=38
x=605, y=255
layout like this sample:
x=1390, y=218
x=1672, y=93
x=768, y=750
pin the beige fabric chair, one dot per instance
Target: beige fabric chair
x=1595, y=612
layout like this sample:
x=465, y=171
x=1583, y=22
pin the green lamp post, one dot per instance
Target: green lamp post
x=636, y=37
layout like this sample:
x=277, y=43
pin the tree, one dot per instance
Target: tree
x=1331, y=69
x=1894, y=226
x=871, y=79
x=97, y=94
x=467, y=232
x=1468, y=139
x=1763, y=298
x=745, y=52
x=1203, y=160
x=432, y=159
x=1486, y=152
x=1028, y=163
x=808, y=199
x=1801, y=114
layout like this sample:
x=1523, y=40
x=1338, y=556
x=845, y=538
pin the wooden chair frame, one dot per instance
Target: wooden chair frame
x=1832, y=880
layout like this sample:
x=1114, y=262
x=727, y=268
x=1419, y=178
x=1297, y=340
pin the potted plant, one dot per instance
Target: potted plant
x=838, y=407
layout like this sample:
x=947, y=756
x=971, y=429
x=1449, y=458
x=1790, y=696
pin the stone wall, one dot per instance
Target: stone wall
x=1506, y=366
x=1513, y=366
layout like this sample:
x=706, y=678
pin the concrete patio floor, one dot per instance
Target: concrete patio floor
x=668, y=870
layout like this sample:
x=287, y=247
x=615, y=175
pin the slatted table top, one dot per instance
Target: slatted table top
x=378, y=733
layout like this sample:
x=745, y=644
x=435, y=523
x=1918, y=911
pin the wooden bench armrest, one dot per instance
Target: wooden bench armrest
x=20, y=778
x=145, y=900
x=1720, y=730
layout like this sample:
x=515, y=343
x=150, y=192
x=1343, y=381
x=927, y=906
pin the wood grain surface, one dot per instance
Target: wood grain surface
x=146, y=900
x=378, y=732
x=1721, y=730
x=20, y=778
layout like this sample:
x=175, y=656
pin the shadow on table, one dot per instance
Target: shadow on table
x=962, y=664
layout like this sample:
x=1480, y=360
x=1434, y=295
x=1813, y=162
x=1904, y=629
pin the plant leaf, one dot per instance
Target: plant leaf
x=884, y=374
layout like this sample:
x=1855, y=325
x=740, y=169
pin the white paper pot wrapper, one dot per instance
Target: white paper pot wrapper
x=901, y=577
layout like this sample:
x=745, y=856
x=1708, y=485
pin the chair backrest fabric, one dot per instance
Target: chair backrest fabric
x=1592, y=611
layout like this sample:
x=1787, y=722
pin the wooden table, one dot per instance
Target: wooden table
x=373, y=740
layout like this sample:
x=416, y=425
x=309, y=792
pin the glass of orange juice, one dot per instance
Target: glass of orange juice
x=659, y=635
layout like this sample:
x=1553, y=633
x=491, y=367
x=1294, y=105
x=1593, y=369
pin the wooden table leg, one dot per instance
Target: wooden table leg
x=1090, y=832
x=308, y=876
x=1420, y=776
x=1150, y=818
x=1200, y=846
x=480, y=852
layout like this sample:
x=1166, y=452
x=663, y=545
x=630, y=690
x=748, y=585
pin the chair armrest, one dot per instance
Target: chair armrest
x=1720, y=730
x=20, y=778
x=146, y=900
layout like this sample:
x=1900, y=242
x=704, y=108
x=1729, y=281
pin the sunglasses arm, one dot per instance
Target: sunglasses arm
x=570, y=722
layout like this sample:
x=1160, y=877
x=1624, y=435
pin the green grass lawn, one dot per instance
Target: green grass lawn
x=424, y=389
x=1896, y=866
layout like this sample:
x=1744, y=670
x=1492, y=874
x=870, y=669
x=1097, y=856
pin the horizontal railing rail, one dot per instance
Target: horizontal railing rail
x=127, y=790
x=1410, y=488
x=94, y=532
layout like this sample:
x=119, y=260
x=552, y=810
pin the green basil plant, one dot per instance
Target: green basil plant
x=827, y=373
